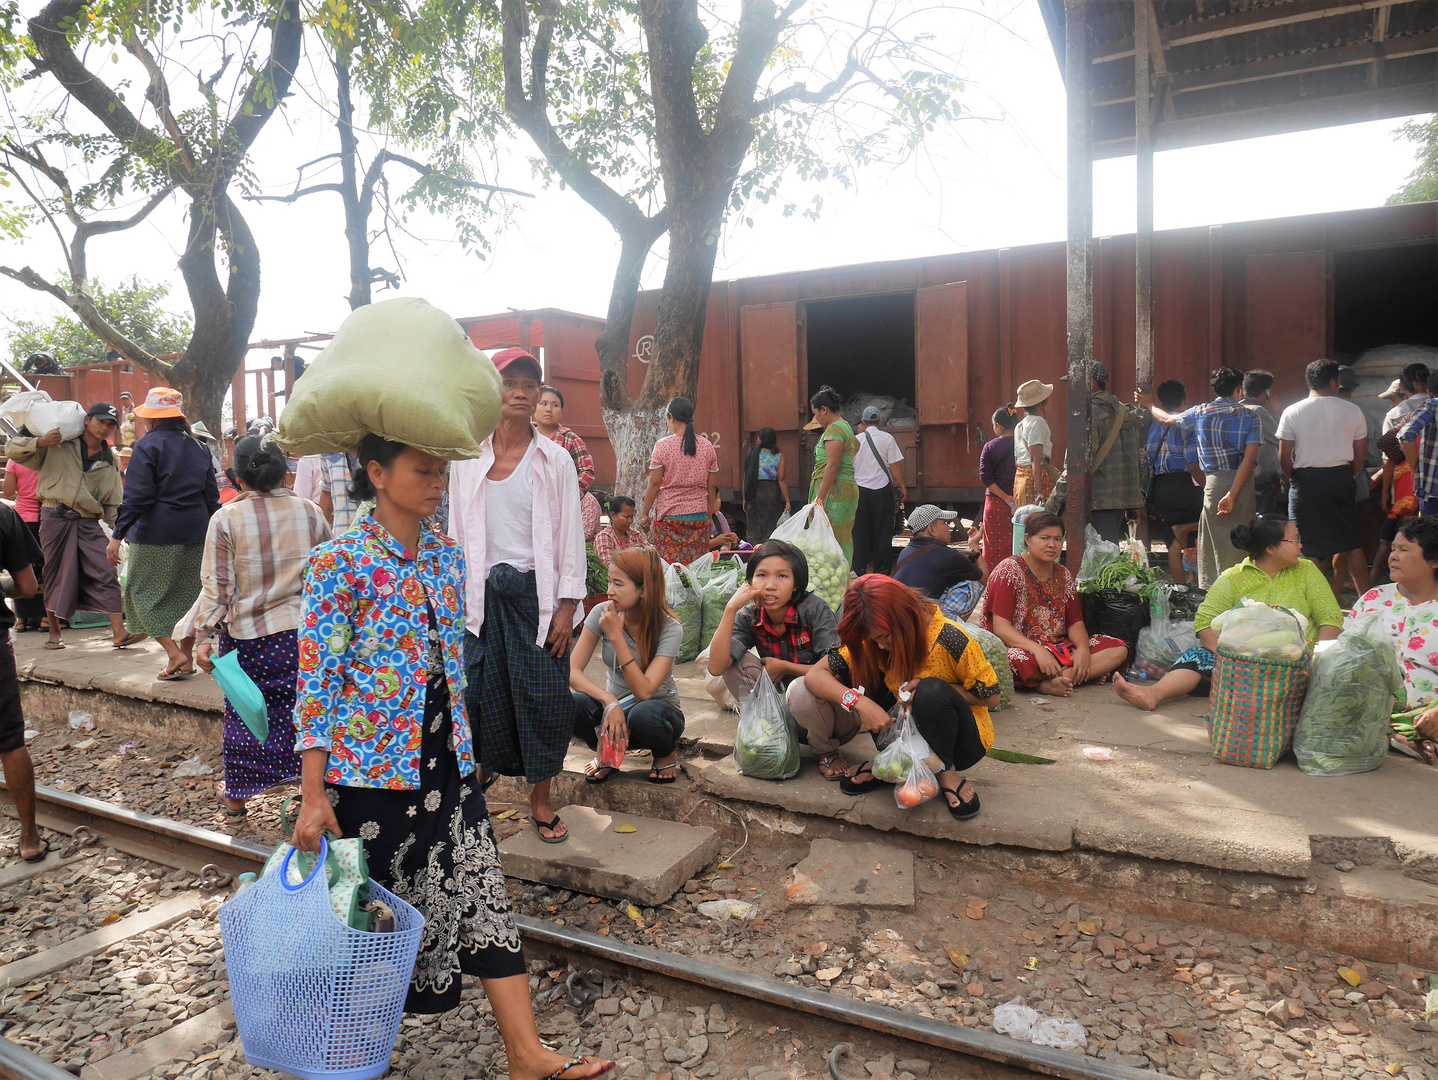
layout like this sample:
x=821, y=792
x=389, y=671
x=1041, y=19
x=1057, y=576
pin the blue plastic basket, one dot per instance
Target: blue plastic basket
x=313, y=998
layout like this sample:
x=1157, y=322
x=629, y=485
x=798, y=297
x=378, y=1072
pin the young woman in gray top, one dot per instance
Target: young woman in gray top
x=639, y=637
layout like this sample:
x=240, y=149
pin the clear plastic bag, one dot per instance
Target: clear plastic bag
x=1162, y=650
x=1266, y=633
x=1016, y=1020
x=1019, y=1021
x=611, y=752
x=809, y=531
x=903, y=761
x=714, y=597
x=1352, y=684
x=766, y=742
x=1097, y=553
x=688, y=607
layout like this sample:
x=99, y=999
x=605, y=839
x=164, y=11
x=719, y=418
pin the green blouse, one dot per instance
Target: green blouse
x=839, y=431
x=1301, y=587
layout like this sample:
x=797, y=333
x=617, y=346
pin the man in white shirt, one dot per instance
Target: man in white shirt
x=1414, y=383
x=1322, y=447
x=879, y=472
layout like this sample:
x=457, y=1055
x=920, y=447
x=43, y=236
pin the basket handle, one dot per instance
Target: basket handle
x=326, y=858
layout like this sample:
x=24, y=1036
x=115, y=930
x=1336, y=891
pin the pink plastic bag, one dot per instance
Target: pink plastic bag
x=611, y=753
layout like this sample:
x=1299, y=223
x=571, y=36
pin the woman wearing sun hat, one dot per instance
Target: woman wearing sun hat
x=170, y=493
x=1033, y=444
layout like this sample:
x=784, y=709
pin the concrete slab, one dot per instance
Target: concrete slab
x=854, y=875
x=647, y=866
x=1224, y=837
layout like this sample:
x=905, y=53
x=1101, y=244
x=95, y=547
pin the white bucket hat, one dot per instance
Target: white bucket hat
x=1032, y=393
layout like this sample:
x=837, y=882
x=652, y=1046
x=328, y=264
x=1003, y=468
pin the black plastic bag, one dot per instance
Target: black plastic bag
x=1116, y=613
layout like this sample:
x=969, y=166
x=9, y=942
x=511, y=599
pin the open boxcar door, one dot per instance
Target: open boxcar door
x=941, y=354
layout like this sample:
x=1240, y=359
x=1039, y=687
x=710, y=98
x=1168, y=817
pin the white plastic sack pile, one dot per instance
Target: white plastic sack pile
x=1018, y=1021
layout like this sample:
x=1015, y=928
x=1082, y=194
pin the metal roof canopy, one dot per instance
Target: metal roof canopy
x=1238, y=69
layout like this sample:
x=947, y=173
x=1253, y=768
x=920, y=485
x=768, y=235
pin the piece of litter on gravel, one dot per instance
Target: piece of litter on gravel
x=625, y=829
x=1098, y=753
x=127, y=747
x=86, y=744
x=726, y=909
x=31, y=733
x=1038, y=701
x=192, y=766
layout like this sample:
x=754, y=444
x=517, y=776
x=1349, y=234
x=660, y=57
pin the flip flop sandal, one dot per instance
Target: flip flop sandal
x=230, y=812
x=828, y=761
x=598, y=777
x=175, y=676
x=966, y=808
x=39, y=856
x=849, y=787
x=54, y=644
x=573, y=1063
x=655, y=776
x=551, y=825
x=128, y=640
x=485, y=785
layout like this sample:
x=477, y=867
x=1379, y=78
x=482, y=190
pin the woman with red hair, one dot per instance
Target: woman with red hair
x=892, y=640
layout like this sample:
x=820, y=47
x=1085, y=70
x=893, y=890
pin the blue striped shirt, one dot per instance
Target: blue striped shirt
x=1170, y=449
x=1418, y=427
x=1223, y=430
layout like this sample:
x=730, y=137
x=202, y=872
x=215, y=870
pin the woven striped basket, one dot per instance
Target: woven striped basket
x=1253, y=708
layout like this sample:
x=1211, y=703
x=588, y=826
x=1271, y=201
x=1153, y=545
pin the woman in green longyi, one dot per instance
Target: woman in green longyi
x=833, y=482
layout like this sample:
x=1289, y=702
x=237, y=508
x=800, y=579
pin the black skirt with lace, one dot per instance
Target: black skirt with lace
x=436, y=848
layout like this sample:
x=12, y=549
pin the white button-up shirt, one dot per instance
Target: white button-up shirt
x=558, y=530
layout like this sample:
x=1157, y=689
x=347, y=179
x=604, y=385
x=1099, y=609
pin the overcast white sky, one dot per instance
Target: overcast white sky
x=995, y=182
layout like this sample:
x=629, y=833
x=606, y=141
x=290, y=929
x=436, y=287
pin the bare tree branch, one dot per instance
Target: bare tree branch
x=799, y=92
x=158, y=95
x=298, y=193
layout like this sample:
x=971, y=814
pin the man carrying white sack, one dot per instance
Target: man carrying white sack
x=515, y=512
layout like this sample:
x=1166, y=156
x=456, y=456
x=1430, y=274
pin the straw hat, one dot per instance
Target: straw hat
x=161, y=402
x=1032, y=393
x=199, y=430
x=1395, y=391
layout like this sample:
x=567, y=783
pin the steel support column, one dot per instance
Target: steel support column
x=1080, y=270
x=1143, y=241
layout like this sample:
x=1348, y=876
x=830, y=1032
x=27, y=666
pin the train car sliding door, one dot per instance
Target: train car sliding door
x=941, y=384
x=1287, y=316
x=769, y=350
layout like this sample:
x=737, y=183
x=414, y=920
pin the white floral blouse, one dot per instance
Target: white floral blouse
x=1414, y=633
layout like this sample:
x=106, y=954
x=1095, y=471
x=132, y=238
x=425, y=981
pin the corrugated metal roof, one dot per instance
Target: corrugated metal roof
x=1234, y=69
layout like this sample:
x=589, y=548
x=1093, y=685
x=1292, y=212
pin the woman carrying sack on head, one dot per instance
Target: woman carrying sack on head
x=681, y=479
x=638, y=637
x=170, y=493
x=256, y=551
x=1275, y=573
x=833, y=482
x=1033, y=445
x=382, y=624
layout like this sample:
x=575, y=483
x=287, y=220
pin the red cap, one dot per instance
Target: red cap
x=505, y=357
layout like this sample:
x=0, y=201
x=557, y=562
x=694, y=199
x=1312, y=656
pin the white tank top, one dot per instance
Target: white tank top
x=509, y=517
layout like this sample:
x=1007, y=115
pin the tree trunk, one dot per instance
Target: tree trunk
x=632, y=433
x=356, y=218
x=683, y=305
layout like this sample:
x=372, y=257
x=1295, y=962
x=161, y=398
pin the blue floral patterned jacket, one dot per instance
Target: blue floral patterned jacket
x=364, y=655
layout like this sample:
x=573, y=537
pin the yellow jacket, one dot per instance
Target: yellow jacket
x=93, y=494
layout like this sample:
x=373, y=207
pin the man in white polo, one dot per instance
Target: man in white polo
x=879, y=472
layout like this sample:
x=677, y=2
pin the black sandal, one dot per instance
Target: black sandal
x=596, y=777
x=40, y=855
x=966, y=808
x=848, y=785
x=551, y=825
x=656, y=778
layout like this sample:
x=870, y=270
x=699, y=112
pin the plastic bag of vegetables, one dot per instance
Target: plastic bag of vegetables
x=1097, y=554
x=997, y=654
x=715, y=595
x=1255, y=629
x=902, y=762
x=688, y=607
x=1163, y=649
x=809, y=531
x=709, y=566
x=766, y=743
x=1352, y=682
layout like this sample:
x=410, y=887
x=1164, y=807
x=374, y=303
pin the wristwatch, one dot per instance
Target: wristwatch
x=851, y=698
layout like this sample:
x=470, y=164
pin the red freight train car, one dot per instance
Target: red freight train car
x=955, y=334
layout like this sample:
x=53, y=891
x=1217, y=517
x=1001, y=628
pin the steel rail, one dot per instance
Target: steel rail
x=239, y=855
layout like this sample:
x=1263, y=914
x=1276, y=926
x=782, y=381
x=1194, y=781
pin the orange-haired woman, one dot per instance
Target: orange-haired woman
x=892, y=640
x=639, y=639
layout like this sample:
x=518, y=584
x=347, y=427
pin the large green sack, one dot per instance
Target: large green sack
x=402, y=369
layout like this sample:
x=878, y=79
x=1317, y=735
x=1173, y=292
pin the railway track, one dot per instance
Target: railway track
x=215, y=858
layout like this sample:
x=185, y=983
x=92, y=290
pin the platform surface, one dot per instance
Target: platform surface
x=1160, y=797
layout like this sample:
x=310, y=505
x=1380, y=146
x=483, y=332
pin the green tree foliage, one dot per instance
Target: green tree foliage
x=1422, y=185
x=113, y=107
x=134, y=307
